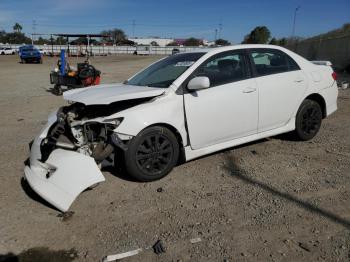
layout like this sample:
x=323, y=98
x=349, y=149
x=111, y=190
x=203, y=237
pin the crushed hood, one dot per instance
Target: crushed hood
x=109, y=93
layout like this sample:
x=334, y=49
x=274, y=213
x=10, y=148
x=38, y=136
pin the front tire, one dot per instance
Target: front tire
x=152, y=154
x=308, y=120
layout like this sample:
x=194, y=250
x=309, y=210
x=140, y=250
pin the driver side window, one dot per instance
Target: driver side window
x=224, y=68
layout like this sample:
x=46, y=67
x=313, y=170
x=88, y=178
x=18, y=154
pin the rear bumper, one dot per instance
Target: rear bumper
x=63, y=176
x=331, y=98
x=30, y=57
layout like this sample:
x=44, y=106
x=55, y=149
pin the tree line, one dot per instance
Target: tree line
x=259, y=35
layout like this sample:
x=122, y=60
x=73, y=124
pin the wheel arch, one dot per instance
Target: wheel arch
x=320, y=100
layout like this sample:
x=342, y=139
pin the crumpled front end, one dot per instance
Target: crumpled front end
x=64, y=157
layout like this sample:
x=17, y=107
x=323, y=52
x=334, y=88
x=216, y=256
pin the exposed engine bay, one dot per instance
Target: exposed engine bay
x=78, y=140
x=86, y=130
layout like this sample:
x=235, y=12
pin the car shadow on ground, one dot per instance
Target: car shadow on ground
x=53, y=91
x=120, y=173
x=41, y=254
x=236, y=172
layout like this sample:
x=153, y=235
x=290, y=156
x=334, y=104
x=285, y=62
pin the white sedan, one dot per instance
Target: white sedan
x=7, y=51
x=182, y=107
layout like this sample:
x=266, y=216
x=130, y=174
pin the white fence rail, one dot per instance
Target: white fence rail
x=110, y=50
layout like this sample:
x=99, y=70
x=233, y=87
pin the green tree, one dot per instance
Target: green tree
x=193, y=42
x=222, y=42
x=17, y=28
x=115, y=36
x=274, y=41
x=79, y=41
x=60, y=40
x=2, y=36
x=259, y=35
x=127, y=42
x=154, y=43
x=42, y=41
x=173, y=43
x=282, y=42
x=16, y=38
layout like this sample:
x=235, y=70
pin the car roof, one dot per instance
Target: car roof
x=233, y=47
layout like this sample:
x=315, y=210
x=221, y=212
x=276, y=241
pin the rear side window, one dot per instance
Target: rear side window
x=270, y=61
x=224, y=68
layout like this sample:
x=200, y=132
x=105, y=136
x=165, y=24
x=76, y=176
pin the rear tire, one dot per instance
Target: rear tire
x=152, y=154
x=308, y=120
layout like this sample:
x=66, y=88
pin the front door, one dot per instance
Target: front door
x=228, y=109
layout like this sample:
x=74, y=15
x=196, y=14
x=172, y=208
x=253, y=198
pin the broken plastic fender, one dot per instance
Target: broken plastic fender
x=62, y=177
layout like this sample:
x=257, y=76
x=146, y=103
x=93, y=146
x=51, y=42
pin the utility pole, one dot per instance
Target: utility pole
x=216, y=34
x=133, y=28
x=220, y=29
x=34, y=29
x=294, y=20
x=51, y=39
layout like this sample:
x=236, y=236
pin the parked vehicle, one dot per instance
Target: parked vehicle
x=7, y=51
x=30, y=53
x=64, y=75
x=181, y=107
x=43, y=51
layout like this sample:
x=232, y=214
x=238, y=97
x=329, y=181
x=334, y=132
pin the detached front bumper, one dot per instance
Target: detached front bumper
x=63, y=176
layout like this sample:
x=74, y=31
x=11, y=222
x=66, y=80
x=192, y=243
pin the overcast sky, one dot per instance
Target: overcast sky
x=179, y=19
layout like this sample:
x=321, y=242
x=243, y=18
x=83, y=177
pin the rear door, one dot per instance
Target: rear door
x=281, y=86
x=228, y=109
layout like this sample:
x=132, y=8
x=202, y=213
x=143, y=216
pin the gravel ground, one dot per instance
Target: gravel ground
x=272, y=200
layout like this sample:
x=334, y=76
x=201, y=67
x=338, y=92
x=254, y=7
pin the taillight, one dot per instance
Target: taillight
x=334, y=75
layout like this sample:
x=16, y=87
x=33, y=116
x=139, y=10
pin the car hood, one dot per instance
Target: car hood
x=109, y=93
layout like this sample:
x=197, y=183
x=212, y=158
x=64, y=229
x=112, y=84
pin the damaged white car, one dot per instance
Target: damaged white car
x=182, y=107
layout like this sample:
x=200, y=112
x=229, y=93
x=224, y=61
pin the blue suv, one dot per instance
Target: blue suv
x=29, y=53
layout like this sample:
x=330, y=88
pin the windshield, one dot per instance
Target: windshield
x=166, y=71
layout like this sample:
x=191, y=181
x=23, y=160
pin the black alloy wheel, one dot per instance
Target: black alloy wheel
x=152, y=154
x=309, y=119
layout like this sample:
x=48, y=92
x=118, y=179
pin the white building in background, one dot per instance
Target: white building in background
x=148, y=41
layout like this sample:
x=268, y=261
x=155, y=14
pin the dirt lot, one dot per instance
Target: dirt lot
x=273, y=200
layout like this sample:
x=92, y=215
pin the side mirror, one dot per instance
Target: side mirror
x=199, y=82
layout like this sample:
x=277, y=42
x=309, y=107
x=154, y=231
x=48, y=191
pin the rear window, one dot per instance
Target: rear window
x=271, y=61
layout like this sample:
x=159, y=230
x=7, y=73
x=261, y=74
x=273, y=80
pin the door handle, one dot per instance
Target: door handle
x=249, y=90
x=299, y=80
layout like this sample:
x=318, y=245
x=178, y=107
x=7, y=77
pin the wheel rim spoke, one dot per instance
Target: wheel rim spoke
x=154, y=154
